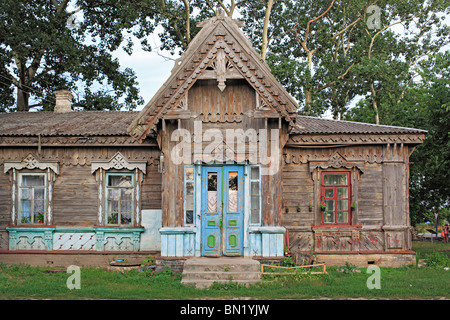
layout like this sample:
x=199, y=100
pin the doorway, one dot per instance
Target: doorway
x=222, y=211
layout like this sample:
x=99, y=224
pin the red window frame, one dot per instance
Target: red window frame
x=332, y=197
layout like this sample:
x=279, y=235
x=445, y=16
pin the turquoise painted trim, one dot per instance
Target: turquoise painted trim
x=118, y=234
x=31, y=233
x=86, y=230
x=178, y=241
x=266, y=241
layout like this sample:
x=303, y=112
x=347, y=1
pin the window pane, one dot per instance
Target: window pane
x=255, y=203
x=255, y=189
x=232, y=191
x=329, y=205
x=125, y=207
x=335, y=179
x=189, y=173
x=124, y=181
x=255, y=173
x=26, y=217
x=329, y=193
x=212, y=192
x=125, y=218
x=113, y=218
x=113, y=194
x=26, y=205
x=342, y=193
x=25, y=193
x=328, y=217
x=126, y=194
x=189, y=217
x=39, y=193
x=33, y=180
x=255, y=216
x=342, y=204
x=39, y=206
x=189, y=196
x=38, y=217
x=342, y=217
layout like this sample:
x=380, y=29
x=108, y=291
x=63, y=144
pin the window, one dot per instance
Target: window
x=32, y=198
x=119, y=198
x=255, y=195
x=189, y=195
x=336, y=195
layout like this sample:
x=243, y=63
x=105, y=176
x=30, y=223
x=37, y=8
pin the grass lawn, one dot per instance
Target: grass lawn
x=25, y=282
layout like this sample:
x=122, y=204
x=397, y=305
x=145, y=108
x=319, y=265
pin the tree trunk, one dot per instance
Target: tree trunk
x=374, y=103
x=308, y=87
x=265, y=41
x=22, y=100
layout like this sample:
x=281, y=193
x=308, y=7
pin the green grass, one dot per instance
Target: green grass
x=25, y=282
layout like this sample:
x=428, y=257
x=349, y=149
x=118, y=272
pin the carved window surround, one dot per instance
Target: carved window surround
x=335, y=163
x=31, y=164
x=118, y=163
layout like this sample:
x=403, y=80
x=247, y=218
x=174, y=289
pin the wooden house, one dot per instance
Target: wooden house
x=218, y=163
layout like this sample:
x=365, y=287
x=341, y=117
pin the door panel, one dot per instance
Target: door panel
x=211, y=211
x=233, y=210
x=222, y=210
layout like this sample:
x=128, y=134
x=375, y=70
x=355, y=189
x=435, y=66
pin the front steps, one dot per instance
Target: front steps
x=203, y=272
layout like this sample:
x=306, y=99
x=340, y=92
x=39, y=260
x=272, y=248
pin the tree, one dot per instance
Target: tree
x=42, y=49
x=426, y=105
x=348, y=55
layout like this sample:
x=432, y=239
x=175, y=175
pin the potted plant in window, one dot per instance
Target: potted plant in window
x=322, y=206
x=353, y=206
x=298, y=206
x=39, y=218
x=113, y=218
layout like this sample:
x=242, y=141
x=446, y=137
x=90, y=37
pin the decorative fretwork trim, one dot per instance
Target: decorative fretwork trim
x=118, y=161
x=31, y=162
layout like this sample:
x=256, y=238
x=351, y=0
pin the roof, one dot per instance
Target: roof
x=311, y=125
x=83, y=123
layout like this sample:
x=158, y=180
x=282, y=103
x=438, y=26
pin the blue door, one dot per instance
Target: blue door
x=222, y=211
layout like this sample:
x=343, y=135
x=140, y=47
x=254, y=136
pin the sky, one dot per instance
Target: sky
x=152, y=68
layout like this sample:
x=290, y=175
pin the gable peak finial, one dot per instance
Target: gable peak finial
x=220, y=13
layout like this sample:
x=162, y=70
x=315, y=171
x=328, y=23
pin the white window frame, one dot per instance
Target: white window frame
x=133, y=200
x=20, y=190
x=250, y=194
x=185, y=195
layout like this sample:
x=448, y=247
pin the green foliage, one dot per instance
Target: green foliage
x=41, y=50
x=437, y=259
x=287, y=262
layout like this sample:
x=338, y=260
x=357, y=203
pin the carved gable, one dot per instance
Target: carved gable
x=220, y=52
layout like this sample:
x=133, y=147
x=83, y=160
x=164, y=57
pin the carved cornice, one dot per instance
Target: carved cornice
x=74, y=141
x=31, y=162
x=299, y=140
x=336, y=161
x=118, y=161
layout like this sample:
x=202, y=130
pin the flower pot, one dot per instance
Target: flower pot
x=298, y=209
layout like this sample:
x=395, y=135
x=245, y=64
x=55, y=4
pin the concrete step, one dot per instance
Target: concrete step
x=217, y=275
x=204, y=284
x=203, y=272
